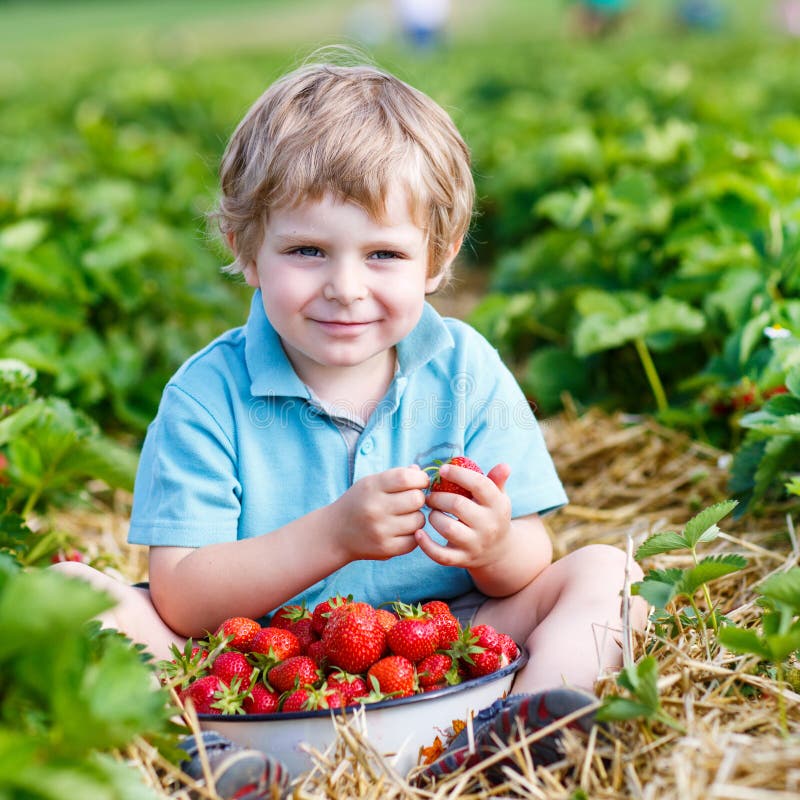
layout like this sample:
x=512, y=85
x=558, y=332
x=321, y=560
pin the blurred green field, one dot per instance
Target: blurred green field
x=638, y=219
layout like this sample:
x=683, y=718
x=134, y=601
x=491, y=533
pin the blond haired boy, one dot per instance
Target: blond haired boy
x=285, y=459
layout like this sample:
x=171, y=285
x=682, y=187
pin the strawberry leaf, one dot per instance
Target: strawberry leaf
x=660, y=543
x=738, y=640
x=703, y=526
x=707, y=570
x=657, y=593
x=783, y=588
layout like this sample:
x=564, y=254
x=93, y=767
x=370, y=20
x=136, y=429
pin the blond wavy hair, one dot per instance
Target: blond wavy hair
x=353, y=131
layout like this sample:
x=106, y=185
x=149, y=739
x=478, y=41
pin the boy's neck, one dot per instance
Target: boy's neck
x=356, y=390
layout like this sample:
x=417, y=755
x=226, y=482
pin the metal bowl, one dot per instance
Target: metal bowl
x=397, y=728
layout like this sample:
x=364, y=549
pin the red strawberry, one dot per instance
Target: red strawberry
x=322, y=612
x=488, y=638
x=275, y=643
x=293, y=673
x=508, y=649
x=203, y=693
x=316, y=650
x=434, y=670
x=298, y=700
x=386, y=618
x=210, y=695
x=394, y=675
x=230, y=665
x=296, y=619
x=286, y=616
x=261, y=700
x=310, y=699
x=353, y=638
x=242, y=629
x=449, y=629
x=414, y=635
x=351, y=687
x=438, y=484
x=483, y=663
x=436, y=607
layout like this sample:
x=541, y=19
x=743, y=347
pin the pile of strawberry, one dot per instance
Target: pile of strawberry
x=341, y=654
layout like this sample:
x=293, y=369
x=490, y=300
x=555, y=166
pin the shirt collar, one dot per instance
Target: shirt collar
x=271, y=372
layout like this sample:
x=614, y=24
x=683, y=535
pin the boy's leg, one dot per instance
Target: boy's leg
x=569, y=618
x=134, y=614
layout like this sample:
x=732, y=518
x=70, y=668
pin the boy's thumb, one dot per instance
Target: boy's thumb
x=498, y=475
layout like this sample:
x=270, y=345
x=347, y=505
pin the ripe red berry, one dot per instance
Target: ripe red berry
x=242, y=629
x=230, y=665
x=261, y=701
x=322, y=612
x=353, y=638
x=433, y=670
x=204, y=693
x=294, y=672
x=483, y=663
x=413, y=637
x=439, y=484
x=276, y=643
x=395, y=676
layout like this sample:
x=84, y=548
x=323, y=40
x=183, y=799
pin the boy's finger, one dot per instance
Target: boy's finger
x=498, y=475
x=446, y=556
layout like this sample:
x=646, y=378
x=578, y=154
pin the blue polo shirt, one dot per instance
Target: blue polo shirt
x=240, y=447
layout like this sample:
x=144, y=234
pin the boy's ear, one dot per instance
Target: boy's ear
x=248, y=270
x=432, y=284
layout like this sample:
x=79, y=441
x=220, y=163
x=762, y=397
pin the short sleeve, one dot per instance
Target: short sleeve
x=502, y=428
x=187, y=492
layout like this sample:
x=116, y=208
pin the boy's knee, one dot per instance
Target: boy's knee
x=607, y=560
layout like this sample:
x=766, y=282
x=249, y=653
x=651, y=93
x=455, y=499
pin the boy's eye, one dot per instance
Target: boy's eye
x=384, y=254
x=307, y=251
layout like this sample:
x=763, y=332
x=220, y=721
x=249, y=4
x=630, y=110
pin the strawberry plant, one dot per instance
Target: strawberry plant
x=662, y=587
x=770, y=451
x=641, y=681
x=50, y=448
x=70, y=694
x=779, y=637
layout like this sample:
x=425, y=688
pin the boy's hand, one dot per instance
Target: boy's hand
x=476, y=529
x=379, y=515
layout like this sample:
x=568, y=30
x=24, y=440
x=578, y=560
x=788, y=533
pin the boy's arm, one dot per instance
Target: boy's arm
x=194, y=589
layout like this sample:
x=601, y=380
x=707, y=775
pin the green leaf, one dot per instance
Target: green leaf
x=793, y=381
x=783, y=588
x=602, y=331
x=738, y=640
x=707, y=570
x=23, y=236
x=656, y=593
x=664, y=542
x=618, y=709
x=53, y=603
x=703, y=526
x=566, y=209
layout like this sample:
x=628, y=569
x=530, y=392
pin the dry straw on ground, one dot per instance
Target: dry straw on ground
x=627, y=478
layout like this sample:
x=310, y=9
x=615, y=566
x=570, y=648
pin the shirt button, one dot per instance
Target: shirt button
x=367, y=446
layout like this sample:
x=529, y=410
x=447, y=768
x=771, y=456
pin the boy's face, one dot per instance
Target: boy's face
x=340, y=288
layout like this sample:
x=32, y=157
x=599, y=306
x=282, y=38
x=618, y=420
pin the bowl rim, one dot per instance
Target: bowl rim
x=324, y=713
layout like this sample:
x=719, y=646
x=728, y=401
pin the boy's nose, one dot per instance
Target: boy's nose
x=345, y=284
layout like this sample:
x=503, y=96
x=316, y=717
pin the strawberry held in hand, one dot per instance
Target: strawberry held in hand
x=439, y=484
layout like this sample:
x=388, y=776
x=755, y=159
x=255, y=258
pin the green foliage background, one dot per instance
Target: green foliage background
x=638, y=211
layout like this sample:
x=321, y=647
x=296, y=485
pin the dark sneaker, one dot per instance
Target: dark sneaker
x=238, y=773
x=509, y=719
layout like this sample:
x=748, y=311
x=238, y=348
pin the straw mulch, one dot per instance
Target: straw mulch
x=627, y=478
